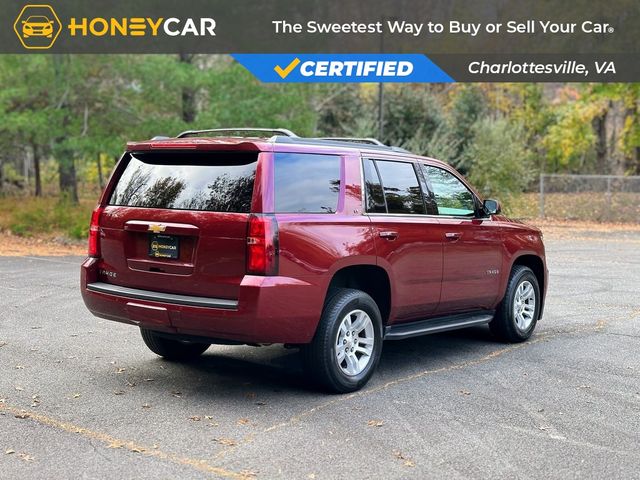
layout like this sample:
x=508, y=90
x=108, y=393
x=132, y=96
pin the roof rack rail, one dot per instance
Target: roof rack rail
x=334, y=142
x=273, y=131
x=370, y=140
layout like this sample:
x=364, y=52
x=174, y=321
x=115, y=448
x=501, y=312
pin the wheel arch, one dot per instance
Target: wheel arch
x=371, y=279
x=536, y=264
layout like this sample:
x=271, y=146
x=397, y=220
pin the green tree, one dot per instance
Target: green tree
x=501, y=165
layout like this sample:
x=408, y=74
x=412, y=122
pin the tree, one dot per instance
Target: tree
x=501, y=165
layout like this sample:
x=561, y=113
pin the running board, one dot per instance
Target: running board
x=438, y=324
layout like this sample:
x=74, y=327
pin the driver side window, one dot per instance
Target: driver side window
x=451, y=195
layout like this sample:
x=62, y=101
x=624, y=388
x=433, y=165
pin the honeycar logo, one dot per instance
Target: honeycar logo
x=340, y=68
x=141, y=26
x=37, y=27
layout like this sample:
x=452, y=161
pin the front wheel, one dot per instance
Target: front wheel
x=518, y=313
x=348, y=342
x=172, y=349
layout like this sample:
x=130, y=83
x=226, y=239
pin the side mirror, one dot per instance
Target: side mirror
x=492, y=207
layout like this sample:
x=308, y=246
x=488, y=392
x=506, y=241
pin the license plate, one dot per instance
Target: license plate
x=163, y=246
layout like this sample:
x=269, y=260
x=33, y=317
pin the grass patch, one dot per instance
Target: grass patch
x=30, y=216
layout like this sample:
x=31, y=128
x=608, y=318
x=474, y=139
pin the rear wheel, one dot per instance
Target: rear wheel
x=518, y=313
x=348, y=342
x=172, y=349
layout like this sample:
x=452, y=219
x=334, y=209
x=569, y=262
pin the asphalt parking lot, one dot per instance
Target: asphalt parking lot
x=83, y=397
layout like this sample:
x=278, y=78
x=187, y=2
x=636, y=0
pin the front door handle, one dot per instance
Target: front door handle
x=388, y=235
x=453, y=236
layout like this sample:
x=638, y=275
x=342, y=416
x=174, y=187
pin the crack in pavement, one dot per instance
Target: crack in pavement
x=130, y=446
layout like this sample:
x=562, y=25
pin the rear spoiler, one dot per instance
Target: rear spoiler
x=199, y=144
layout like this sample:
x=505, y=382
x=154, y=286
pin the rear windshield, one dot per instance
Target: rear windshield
x=214, y=182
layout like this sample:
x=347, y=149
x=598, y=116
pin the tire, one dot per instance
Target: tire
x=507, y=325
x=177, y=350
x=342, y=308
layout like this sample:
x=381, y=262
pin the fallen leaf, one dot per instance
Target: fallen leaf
x=19, y=367
x=208, y=417
x=118, y=392
x=9, y=451
x=26, y=457
x=120, y=369
x=146, y=405
x=225, y=441
x=19, y=389
x=77, y=395
x=243, y=421
x=131, y=384
x=406, y=460
x=176, y=394
x=22, y=415
x=195, y=418
x=2, y=344
x=375, y=423
x=464, y=392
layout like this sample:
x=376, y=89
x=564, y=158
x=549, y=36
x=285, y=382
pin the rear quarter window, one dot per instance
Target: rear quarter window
x=306, y=183
x=215, y=182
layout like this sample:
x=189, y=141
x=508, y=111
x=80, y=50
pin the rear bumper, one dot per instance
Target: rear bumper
x=267, y=310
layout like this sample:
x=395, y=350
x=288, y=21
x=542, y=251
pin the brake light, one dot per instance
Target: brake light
x=262, y=245
x=94, y=233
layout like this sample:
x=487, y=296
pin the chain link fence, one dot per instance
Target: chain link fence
x=605, y=198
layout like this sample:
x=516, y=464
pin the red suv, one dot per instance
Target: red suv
x=332, y=245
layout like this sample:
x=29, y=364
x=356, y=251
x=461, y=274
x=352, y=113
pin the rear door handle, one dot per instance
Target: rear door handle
x=388, y=235
x=453, y=236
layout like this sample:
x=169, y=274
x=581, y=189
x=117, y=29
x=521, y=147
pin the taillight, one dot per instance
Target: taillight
x=94, y=233
x=262, y=245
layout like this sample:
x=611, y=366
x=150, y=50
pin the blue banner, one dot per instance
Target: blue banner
x=342, y=68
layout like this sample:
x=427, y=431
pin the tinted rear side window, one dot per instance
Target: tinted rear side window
x=373, y=189
x=401, y=188
x=306, y=183
x=215, y=182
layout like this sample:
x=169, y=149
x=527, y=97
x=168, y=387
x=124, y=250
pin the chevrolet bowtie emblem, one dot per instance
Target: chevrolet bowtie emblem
x=157, y=227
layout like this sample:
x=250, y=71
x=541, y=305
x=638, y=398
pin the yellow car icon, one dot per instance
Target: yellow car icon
x=37, y=26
